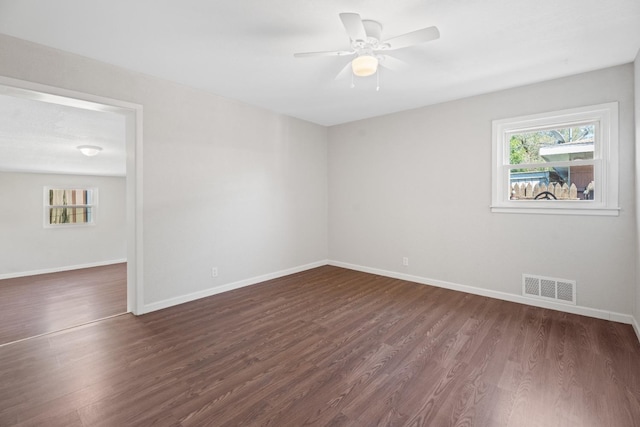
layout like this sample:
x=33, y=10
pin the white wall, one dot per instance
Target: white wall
x=636, y=68
x=27, y=246
x=418, y=184
x=225, y=184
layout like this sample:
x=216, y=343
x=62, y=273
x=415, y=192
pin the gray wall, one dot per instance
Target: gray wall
x=225, y=184
x=27, y=246
x=418, y=184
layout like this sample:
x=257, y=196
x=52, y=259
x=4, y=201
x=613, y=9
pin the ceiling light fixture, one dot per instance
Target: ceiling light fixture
x=89, y=150
x=364, y=65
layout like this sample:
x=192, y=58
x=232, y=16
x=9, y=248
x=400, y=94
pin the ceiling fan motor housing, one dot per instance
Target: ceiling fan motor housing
x=373, y=29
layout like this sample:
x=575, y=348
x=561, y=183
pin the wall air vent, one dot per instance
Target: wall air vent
x=549, y=288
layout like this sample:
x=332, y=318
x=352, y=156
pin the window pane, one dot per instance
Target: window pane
x=63, y=197
x=562, y=183
x=552, y=145
x=70, y=215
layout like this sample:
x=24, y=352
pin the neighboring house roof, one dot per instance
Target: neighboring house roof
x=582, y=149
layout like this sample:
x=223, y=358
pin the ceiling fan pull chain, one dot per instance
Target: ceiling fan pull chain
x=378, y=81
x=353, y=84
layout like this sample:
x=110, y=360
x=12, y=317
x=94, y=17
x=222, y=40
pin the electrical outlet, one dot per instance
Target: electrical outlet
x=405, y=261
x=214, y=272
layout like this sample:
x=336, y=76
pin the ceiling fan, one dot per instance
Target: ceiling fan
x=369, y=48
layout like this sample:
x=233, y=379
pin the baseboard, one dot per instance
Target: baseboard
x=59, y=269
x=584, y=311
x=148, y=308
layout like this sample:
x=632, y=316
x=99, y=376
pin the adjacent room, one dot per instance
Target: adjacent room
x=334, y=213
x=64, y=257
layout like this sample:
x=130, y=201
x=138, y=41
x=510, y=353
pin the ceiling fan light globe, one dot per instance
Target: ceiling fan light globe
x=365, y=65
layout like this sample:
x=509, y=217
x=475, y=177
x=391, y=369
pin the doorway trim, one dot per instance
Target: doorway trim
x=133, y=119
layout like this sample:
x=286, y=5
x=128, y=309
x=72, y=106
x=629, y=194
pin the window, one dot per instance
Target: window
x=563, y=162
x=65, y=206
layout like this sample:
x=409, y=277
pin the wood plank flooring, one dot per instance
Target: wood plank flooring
x=34, y=305
x=329, y=347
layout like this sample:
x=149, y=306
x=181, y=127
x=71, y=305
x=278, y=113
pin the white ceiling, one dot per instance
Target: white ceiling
x=43, y=137
x=244, y=50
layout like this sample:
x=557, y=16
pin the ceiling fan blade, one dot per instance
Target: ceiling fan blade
x=345, y=72
x=393, y=64
x=353, y=24
x=328, y=53
x=415, y=37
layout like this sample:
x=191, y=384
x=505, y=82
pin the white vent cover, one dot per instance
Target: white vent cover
x=549, y=288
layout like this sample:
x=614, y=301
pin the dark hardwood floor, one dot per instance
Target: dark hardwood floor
x=35, y=305
x=329, y=347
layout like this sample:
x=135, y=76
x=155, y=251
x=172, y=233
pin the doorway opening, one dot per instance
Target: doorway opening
x=130, y=115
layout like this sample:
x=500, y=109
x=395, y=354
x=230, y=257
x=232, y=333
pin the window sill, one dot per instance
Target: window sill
x=70, y=225
x=557, y=210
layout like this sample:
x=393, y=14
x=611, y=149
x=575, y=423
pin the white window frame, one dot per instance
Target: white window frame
x=93, y=205
x=605, y=161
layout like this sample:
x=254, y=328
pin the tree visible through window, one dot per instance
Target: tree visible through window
x=543, y=155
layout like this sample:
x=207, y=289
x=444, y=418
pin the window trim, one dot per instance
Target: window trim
x=48, y=207
x=605, y=161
